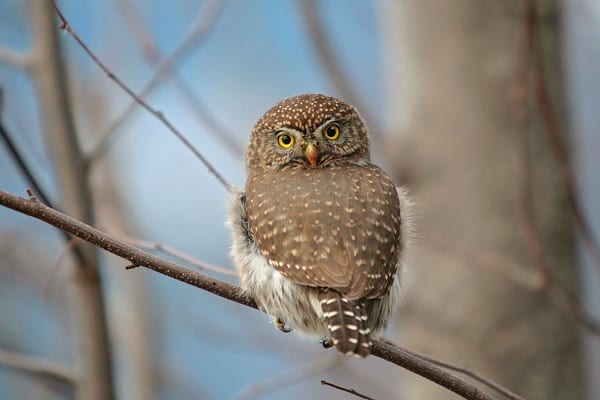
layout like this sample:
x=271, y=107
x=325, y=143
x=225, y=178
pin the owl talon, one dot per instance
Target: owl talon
x=280, y=324
x=327, y=343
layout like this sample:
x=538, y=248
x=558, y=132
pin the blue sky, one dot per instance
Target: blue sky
x=256, y=53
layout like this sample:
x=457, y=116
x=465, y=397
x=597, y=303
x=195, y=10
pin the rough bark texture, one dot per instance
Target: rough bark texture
x=450, y=69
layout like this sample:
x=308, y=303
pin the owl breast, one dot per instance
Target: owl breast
x=335, y=227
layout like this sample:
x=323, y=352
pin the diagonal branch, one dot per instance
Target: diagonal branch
x=15, y=58
x=156, y=113
x=522, y=81
x=290, y=377
x=138, y=258
x=556, y=137
x=343, y=389
x=326, y=55
x=170, y=250
x=467, y=372
x=38, y=366
x=152, y=55
x=198, y=31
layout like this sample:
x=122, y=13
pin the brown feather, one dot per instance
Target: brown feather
x=335, y=227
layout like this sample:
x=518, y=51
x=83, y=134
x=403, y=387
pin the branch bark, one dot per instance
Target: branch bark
x=138, y=258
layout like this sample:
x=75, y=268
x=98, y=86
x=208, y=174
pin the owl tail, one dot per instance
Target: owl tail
x=347, y=323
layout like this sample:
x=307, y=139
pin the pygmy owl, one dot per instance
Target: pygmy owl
x=320, y=231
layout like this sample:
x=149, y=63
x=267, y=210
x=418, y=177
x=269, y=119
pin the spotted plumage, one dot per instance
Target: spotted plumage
x=320, y=230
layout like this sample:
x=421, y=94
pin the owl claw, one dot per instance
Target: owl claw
x=280, y=324
x=327, y=343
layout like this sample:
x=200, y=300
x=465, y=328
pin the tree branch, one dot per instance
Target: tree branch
x=343, y=389
x=152, y=55
x=467, y=372
x=15, y=58
x=170, y=250
x=556, y=137
x=290, y=377
x=136, y=257
x=165, y=66
x=326, y=55
x=49, y=74
x=37, y=366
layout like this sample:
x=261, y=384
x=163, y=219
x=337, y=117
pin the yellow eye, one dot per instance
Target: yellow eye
x=285, y=140
x=332, y=131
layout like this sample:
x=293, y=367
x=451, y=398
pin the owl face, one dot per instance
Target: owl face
x=308, y=131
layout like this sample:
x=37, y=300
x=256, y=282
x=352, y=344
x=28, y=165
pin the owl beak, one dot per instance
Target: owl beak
x=311, y=152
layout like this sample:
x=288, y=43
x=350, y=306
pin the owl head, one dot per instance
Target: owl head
x=308, y=131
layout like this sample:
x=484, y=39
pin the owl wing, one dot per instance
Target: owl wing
x=336, y=227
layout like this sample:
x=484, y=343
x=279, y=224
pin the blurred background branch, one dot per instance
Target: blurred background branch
x=38, y=366
x=138, y=258
x=198, y=31
x=49, y=74
x=488, y=114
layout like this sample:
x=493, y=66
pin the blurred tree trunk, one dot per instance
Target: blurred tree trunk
x=450, y=69
x=91, y=348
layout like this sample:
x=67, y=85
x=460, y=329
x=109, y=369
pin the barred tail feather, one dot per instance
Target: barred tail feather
x=347, y=323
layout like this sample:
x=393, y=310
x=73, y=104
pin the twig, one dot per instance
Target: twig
x=554, y=288
x=135, y=256
x=22, y=165
x=405, y=359
x=326, y=55
x=467, y=372
x=123, y=250
x=145, y=244
x=67, y=248
x=152, y=55
x=38, y=366
x=290, y=377
x=519, y=92
x=199, y=29
x=557, y=142
x=343, y=389
x=521, y=82
x=134, y=21
x=15, y=58
x=156, y=113
x=30, y=177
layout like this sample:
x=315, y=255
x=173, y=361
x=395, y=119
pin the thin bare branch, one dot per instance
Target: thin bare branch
x=38, y=366
x=467, y=372
x=133, y=18
x=135, y=256
x=553, y=288
x=290, y=377
x=23, y=166
x=380, y=349
x=343, y=389
x=152, y=55
x=326, y=54
x=30, y=177
x=557, y=140
x=14, y=58
x=405, y=359
x=520, y=116
x=170, y=250
x=522, y=81
x=156, y=113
